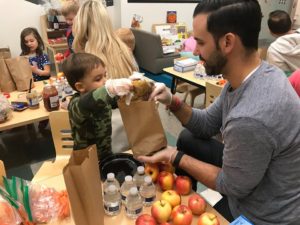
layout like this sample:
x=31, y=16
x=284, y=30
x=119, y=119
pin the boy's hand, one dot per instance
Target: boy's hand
x=119, y=87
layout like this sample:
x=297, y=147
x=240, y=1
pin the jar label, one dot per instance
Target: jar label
x=54, y=101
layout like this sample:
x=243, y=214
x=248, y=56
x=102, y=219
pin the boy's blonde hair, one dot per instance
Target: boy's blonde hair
x=93, y=33
x=70, y=6
x=126, y=35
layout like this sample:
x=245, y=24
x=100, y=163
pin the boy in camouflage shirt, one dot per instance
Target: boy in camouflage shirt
x=90, y=108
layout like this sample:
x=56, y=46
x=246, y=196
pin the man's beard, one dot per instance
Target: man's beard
x=215, y=63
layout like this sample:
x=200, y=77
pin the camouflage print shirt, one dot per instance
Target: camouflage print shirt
x=90, y=119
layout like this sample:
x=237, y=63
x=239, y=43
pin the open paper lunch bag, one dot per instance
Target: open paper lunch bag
x=82, y=179
x=20, y=71
x=143, y=127
x=6, y=82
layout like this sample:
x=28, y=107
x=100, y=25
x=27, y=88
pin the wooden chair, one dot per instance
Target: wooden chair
x=212, y=92
x=63, y=142
x=189, y=89
x=2, y=172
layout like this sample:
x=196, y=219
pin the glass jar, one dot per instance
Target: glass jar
x=50, y=98
x=33, y=99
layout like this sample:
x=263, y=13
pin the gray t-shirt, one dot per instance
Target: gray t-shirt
x=260, y=125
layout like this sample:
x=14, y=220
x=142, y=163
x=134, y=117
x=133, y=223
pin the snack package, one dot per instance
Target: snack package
x=41, y=204
x=5, y=110
x=11, y=211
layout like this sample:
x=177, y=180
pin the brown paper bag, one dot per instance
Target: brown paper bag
x=5, y=53
x=82, y=178
x=143, y=127
x=6, y=82
x=20, y=71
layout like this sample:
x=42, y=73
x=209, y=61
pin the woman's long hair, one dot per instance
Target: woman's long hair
x=93, y=33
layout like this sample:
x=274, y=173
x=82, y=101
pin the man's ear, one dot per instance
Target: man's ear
x=80, y=87
x=228, y=42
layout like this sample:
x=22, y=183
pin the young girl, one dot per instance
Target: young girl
x=32, y=46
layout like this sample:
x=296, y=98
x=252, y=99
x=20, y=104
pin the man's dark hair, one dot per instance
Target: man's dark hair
x=241, y=17
x=279, y=22
x=25, y=49
x=77, y=65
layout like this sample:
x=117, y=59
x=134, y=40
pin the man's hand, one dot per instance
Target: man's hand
x=161, y=93
x=119, y=87
x=166, y=155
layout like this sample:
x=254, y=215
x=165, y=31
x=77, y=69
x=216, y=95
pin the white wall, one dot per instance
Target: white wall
x=154, y=13
x=15, y=16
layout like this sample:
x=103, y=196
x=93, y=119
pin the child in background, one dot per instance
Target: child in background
x=32, y=46
x=190, y=43
x=126, y=35
x=90, y=108
x=295, y=81
x=69, y=11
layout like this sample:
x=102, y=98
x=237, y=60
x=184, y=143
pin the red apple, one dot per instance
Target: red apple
x=181, y=215
x=161, y=211
x=208, y=219
x=183, y=185
x=145, y=219
x=172, y=197
x=197, y=204
x=165, y=180
x=59, y=56
x=166, y=167
x=152, y=170
x=165, y=223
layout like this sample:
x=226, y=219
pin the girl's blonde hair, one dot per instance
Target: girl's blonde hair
x=93, y=33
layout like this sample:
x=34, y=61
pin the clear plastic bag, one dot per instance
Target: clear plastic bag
x=5, y=110
x=40, y=204
x=9, y=214
x=48, y=205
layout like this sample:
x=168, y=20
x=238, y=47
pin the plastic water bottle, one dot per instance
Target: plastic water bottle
x=139, y=176
x=199, y=71
x=148, y=191
x=68, y=89
x=134, y=203
x=112, y=201
x=109, y=181
x=59, y=88
x=128, y=183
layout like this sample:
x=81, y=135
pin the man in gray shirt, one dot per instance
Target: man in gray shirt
x=257, y=167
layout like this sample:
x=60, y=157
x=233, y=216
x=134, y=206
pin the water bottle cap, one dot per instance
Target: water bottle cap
x=128, y=178
x=141, y=170
x=133, y=191
x=148, y=179
x=112, y=188
x=110, y=176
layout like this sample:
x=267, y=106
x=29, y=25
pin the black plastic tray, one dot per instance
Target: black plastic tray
x=121, y=164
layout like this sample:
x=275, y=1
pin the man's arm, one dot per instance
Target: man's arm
x=204, y=172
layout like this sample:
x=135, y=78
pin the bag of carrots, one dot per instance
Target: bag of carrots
x=42, y=204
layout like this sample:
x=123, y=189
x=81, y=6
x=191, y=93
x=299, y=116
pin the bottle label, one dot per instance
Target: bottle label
x=54, y=101
x=151, y=199
x=56, y=26
x=137, y=211
x=68, y=90
x=112, y=207
x=123, y=197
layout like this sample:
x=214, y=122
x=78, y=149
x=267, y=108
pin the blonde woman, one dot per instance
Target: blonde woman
x=94, y=34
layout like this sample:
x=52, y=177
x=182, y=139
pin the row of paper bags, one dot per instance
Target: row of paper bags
x=15, y=73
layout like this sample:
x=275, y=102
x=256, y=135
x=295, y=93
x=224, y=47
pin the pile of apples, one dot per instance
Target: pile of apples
x=169, y=210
